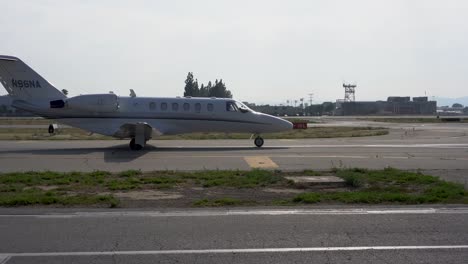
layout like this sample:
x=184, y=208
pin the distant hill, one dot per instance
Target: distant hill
x=442, y=101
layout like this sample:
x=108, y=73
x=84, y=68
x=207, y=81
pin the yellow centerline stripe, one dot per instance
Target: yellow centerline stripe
x=260, y=162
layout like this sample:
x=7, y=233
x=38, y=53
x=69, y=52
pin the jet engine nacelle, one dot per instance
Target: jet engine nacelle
x=101, y=103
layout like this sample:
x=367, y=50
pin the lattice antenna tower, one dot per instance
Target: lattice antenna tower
x=350, y=90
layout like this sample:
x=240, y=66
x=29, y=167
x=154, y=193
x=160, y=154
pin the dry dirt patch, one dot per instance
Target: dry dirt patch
x=148, y=195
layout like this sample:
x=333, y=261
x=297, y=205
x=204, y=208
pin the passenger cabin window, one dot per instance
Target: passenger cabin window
x=152, y=106
x=209, y=107
x=186, y=107
x=231, y=107
x=197, y=107
x=175, y=107
x=164, y=106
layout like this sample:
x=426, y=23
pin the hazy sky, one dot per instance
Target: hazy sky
x=265, y=51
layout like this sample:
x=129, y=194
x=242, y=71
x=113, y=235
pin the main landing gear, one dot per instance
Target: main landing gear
x=258, y=141
x=134, y=146
x=142, y=133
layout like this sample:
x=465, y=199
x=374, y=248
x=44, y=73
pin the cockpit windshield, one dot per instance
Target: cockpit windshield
x=242, y=107
x=231, y=107
x=235, y=106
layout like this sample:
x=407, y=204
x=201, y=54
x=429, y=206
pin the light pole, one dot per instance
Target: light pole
x=302, y=105
x=311, y=95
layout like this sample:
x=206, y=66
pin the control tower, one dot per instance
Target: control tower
x=349, y=92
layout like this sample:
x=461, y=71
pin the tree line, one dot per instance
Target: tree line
x=218, y=89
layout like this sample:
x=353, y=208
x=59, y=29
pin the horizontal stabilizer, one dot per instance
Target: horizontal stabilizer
x=8, y=58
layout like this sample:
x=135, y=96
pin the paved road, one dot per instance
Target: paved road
x=320, y=235
x=229, y=154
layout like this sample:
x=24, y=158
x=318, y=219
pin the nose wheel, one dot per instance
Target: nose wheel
x=258, y=141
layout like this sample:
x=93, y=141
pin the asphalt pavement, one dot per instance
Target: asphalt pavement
x=319, y=235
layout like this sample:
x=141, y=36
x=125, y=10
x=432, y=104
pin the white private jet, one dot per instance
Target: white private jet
x=136, y=118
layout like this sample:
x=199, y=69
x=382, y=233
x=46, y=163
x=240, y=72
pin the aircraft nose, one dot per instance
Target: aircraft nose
x=280, y=124
x=286, y=125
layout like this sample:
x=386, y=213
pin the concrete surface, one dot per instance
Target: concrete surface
x=317, y=181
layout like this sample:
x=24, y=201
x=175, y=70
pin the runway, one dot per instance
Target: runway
x=320, y=235
x=224, y=154
x=370, y=152
x=440, y=148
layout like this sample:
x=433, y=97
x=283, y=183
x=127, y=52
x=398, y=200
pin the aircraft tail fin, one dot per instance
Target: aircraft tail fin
x=23, y=83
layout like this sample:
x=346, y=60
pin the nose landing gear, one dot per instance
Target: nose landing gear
x=258, y=141
x=53, y=129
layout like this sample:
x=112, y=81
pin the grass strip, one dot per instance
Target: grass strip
x=311, y=132
x=98, y=187
x=36, y=196
x=444, y=119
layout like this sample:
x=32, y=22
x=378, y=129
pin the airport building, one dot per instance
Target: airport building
x=395, y=105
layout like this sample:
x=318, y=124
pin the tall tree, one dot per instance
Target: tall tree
x=191, y=86
x=203, y=91
x=219, y=90
x=216, y=90
x=196, y=90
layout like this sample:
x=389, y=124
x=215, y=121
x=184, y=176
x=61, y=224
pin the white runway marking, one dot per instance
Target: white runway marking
x=279, y=212
x=227, y=251
x=225, y=156
x=334, y=146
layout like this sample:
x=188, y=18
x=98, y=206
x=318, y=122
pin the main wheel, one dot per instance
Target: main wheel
x=138, y=147
x=134, y=146
x=258, y=142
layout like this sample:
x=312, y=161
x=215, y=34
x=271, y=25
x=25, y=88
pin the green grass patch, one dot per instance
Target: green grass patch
x=43, y=134
x=389, y=186
x=33, y=178
x=238, y=179
x=130, y=173
x=388, y=176
x=36, y=196
x=80, y=188
x=311, y=132
x=307, y=198
x=25, y=121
